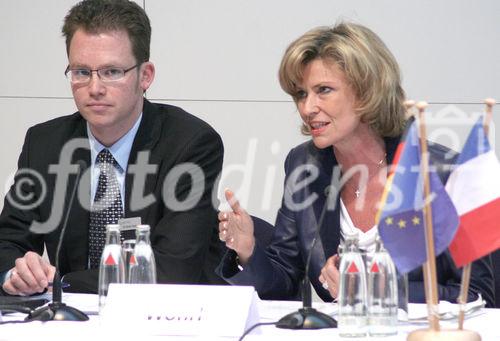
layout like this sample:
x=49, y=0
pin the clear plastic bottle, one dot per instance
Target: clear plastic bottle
x=127, y=251
x=142, y=263
x=382, y=293
x=352, y=299
x=112, y=268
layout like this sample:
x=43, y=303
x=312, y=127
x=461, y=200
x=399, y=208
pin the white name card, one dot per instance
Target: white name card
x=168, y=309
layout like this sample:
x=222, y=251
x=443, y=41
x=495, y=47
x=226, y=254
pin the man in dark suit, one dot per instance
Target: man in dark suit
x=164, y=165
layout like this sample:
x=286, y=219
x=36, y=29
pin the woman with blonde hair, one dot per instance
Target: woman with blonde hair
x=347, y=88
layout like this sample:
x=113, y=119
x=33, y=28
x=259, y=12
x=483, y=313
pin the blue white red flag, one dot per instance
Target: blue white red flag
x=474, y=187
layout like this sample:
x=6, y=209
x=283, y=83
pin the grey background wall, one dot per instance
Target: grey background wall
x=218, y=59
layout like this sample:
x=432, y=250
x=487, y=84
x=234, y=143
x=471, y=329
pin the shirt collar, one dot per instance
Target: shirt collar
x=120, y=149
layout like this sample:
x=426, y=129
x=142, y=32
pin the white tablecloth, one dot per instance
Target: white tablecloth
x=485, y=321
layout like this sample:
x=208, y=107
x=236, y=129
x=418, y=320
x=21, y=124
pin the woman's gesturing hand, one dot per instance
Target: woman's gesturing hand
x=236, y=229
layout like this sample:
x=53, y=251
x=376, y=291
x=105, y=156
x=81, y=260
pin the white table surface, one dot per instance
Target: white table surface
x=485, y=321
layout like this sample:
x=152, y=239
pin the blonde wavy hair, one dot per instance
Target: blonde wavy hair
x=368, y=65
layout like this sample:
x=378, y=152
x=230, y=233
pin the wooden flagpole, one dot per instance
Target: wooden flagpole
x=409, y=104
x=462, y=299
x=464, y=286
x=430, y=264
x=490, y=102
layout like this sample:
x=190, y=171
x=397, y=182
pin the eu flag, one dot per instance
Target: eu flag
x=401, y=225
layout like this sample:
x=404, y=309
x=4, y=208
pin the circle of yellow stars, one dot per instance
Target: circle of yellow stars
x=401, y=223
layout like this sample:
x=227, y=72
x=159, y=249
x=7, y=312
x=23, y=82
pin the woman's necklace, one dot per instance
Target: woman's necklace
x=357, y=192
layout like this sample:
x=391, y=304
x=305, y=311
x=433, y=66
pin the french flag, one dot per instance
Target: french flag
x=474, y=188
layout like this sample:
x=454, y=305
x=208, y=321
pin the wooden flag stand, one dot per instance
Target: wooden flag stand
x=434, y=333
x=443, y=335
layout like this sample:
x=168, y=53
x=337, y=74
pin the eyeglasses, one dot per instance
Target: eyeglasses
x=107, y=74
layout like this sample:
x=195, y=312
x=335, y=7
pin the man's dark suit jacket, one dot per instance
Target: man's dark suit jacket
x=276, y=271
x=185, y=243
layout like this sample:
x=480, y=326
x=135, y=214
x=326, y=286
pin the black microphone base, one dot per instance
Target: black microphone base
x=57, y=312
x=306, y=318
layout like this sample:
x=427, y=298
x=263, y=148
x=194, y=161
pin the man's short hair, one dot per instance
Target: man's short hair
x=97, y=16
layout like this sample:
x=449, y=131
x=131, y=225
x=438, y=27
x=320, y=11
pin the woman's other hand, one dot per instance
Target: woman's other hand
x=330, y=277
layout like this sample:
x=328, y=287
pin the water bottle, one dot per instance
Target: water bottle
x=142, y=265
x=127, y=252
x=112, y=267
x=352, y=319
x=402, y=296
x=382, y=293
